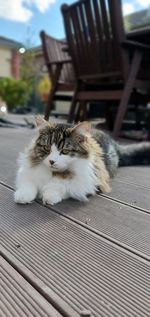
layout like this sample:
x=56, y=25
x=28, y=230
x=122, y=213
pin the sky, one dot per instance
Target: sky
x=22, y=20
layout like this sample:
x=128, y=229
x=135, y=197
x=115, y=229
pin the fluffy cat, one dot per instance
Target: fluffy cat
x=63, y=162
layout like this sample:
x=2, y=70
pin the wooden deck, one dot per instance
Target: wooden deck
x=74, y=257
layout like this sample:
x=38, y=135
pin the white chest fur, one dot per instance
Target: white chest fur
x=32, y=181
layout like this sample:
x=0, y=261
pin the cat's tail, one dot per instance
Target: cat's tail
x=134, y=154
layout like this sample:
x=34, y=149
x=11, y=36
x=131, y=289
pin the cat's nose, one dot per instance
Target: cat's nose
x=52, y=162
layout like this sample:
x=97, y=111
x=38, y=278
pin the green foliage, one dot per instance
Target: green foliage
x=14, y=92
x=127, y=24
x=28, y=68
x=29, y=71
x=44, y=85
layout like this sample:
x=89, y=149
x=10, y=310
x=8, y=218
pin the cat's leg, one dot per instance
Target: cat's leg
x=26, y=194
x=79, y=193
x=81, y=197
x=26, y=190
x=54, y=192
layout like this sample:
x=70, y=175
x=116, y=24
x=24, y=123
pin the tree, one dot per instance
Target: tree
x=28, y=69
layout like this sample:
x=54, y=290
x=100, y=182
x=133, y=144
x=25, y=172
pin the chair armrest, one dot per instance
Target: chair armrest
x=132, y=45
x=65, y=49
x=61, y=62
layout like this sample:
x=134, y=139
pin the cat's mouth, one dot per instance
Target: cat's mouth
x=54, y=167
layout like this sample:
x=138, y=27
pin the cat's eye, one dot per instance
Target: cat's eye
x=43, y=143
x=46, y=148
x=65, y=151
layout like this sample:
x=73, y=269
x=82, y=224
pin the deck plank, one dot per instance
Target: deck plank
x=132, y=185
x=137, y=175
x=19, y=298
x=12, y=142
x=84, y=269
x=115, y=221
x=132, y=194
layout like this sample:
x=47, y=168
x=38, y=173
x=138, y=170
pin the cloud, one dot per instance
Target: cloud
x=136, y=5
x=22, y=10
x=42, y=5
x=128, y=8
x=143, y=3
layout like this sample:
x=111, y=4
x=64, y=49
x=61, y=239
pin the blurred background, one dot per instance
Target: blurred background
x=24, y=81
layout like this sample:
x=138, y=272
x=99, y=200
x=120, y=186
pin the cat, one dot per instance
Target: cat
x=75, y=161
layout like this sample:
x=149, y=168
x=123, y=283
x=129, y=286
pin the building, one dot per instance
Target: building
x=139, y=19
x=9, y=58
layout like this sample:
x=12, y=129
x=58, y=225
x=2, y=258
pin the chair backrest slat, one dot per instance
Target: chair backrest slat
x=94, y=31
x=53, y=52
x=85, y=48
x=99, y=27
x=92, y=34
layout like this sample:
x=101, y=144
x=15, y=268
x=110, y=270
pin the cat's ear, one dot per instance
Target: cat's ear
x=41, y=122
x=82, y=130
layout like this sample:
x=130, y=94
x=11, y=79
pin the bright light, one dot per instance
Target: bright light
x=3, y=109
x=128, y=8
x=22, y=50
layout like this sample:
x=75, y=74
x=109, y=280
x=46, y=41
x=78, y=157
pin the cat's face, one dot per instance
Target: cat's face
x=59, y=148
x=60, y=159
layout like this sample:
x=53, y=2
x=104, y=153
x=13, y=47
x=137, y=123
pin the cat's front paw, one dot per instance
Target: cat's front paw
x=24, y=196
x=51, y=198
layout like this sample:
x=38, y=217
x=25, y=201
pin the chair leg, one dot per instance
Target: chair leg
x=81, y=114
x=71, y=116
x=109, y=116
x=54, y=79
x=49, y=106
x=127, y=93
x=77, y=116
x=84, y=111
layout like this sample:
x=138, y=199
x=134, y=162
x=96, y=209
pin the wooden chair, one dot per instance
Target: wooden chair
x=60, y=71
x=106, y=64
